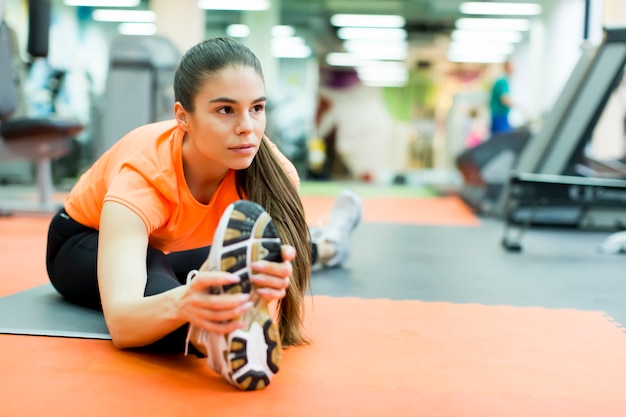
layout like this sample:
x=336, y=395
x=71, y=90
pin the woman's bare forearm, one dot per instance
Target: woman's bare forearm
x=142, y=321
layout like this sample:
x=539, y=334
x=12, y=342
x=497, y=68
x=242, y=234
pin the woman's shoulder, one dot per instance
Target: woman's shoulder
x=152, y=130
x=146, y=140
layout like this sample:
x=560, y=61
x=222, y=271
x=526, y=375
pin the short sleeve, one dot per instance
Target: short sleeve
x=139, y=194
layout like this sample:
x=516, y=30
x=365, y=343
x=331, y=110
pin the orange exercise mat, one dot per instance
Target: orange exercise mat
x=436, y=211
x=367, y=358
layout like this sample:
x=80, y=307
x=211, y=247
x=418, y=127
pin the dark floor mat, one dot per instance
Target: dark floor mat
x=41, y=311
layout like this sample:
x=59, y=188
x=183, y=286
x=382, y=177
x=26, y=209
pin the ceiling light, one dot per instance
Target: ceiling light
x=146, y=29
x=391, y=55
x=237, y=31
x=492, y=24
x=471, y=57
x=497, y=48
x=291, y=41
x=294, y=51
x=382, y=65
x=361, y=46
x=234, y=4
x=509, y=36
x=485, y=8
x=346, y=59
x=283, y=31
x=399, y=78
x=395, y=72
x=365, y=20
x=290, y=47
x=112, y=15
x=372, y=33
x=103, y=3
x=373, y=73
x=341, y=59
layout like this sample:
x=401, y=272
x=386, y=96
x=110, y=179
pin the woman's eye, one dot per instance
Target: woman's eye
x=258, y=108
x=225, y=110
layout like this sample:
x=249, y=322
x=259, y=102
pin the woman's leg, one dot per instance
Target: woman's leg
x=331, y=242
x=71, y=260
x=185, y=261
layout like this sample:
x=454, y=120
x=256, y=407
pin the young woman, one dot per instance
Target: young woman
x=143, y=217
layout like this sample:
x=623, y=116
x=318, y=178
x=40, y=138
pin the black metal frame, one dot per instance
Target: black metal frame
x=578, y=194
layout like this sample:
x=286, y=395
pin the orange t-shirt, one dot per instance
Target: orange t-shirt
x=144, y=172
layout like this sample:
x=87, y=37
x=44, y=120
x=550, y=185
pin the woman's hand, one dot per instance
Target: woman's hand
x=273, y=278
x=216, y=313
x=220, y=313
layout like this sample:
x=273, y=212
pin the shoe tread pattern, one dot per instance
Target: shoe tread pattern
x=268, y=247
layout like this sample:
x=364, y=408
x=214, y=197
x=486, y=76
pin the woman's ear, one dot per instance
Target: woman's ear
x=180, y=114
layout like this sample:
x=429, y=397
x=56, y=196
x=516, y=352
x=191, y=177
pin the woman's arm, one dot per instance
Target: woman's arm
x=134, y=320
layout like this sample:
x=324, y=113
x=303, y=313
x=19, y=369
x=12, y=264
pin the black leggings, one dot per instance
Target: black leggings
x=71, y=261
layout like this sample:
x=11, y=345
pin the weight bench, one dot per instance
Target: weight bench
x=41, y=141
x=37, y=139
x=592, y=203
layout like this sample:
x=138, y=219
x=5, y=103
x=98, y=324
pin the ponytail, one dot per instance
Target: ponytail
x=266, y=183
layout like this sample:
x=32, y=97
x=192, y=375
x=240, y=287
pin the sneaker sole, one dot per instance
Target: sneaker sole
x=246, y=233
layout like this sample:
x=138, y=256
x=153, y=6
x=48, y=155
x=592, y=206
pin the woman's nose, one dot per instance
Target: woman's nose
x=245, y=124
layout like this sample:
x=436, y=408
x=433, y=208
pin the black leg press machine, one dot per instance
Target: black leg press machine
x=555, y=181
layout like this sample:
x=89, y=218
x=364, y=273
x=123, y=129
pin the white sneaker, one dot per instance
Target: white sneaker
x=342, y=220
x=615, y=243
x=247, y=358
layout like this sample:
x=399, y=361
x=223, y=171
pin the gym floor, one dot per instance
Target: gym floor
x=428, y=317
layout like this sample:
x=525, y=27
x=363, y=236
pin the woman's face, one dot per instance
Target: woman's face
x=228, y=121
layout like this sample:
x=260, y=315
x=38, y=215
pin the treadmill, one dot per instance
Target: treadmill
x=555, y=182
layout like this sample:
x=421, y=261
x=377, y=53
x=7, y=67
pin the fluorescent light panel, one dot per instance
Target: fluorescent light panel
x=234, y=4
x=287, y=42
x=382, y=67
x=290, y=47
x=354, y=45
x=294, y=51
x=344, y=59
x=237, y=31
x=341, y=59
x=103, y=3
x=508, y=36
x=283, y=31
x=470, y=57
x=145, y=29
x=475, y=23
x=382, y=75
x=242, y=31
x=391, y=55
x=381, y=34
x=510, y=9
x=112, y=15
x=481, y=47
x=365, y=20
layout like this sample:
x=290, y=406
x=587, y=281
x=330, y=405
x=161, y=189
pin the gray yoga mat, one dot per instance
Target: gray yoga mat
x=41, y=311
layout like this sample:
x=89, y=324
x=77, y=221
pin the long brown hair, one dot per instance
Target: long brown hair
x=264, y=181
